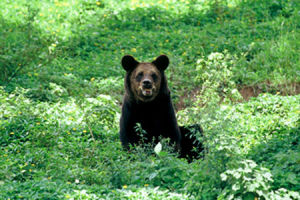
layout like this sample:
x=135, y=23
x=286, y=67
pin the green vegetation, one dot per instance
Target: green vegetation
x=61, y=86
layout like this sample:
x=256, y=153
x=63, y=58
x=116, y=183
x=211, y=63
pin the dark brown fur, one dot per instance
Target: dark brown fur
x=191, y=142
x=149, y=106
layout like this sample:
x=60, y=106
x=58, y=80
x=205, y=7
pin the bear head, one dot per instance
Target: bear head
x=145, y=81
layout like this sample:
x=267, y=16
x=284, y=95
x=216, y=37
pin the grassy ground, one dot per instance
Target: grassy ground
x=61, y=86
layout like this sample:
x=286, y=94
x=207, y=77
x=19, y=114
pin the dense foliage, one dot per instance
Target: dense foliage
x=61, y=85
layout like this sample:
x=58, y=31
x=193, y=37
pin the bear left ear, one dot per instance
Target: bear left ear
x=128, y=62
x=161, y=62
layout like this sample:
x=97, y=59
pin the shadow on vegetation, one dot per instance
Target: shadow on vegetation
x=285, y=90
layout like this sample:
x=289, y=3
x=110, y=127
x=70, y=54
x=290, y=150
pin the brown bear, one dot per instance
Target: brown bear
x=147, y=102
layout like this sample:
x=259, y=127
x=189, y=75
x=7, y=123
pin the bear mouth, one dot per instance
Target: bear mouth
x=147, y=92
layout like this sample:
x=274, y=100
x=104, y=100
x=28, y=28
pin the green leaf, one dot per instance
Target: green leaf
x=152, y=176
x=236, y=187
x=223, y=177
x=291, y=177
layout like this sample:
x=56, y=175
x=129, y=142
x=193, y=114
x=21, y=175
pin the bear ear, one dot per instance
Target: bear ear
x=128, y=62
x=161, y=62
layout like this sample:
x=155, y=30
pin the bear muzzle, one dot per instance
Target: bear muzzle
x=147, y=88
x=147, y=91
x=147, y=84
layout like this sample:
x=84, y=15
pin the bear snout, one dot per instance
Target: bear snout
x=147, y=84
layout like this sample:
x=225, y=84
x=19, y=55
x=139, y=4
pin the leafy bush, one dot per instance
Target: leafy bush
x=246, y=181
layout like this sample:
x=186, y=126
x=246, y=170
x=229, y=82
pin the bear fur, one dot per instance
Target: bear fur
x=191, y=146
x=147, y=102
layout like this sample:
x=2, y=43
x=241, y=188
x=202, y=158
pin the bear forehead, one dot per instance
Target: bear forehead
x=146, y=68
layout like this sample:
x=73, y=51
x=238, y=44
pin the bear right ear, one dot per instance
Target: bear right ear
x=161, y=62
x=128, y=62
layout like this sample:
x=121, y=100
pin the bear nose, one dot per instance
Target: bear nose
x=147, y=84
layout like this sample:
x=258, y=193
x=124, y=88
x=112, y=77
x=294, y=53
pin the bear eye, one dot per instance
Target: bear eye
x=139, y=76
x=154, y=76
